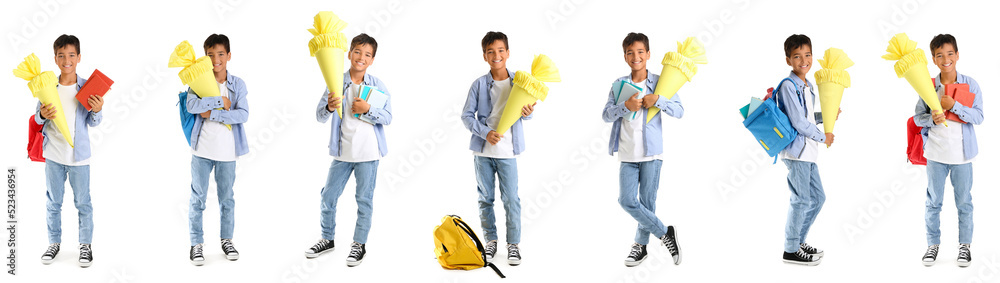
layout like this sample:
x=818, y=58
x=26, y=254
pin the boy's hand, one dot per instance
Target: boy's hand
x=633, y=103
x=96, y=103
x=947, y=102
x=333, y=103
x=226, y=103
x=206, y=114
x=48, y=111
x=838, y=113
x=360, y=106
x=829, y=139
x=493, y=137
x=938, y=118
x=649, y=100
x=527, y=109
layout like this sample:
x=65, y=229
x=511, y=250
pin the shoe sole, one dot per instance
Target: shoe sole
x=85, y=264
x=198, y=262
x=928, y=263
x=964, y=264
x=315, y=255
x=513, y=262
x=233, y=257
x=47, y=261
x=489, y=259
x=634, y=263
x=354, y=263
x=803, y=263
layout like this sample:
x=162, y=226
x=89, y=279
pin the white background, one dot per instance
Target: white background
x=722, y=193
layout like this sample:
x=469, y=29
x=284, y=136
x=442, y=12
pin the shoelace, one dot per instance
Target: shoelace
x=355, y=250
x=932, y=252
x=52, y=250
x=671, y=245
x=636, y=251
x=319, y=246
x=227, y=245
x=801, y=253
x=809, y=249
x=963, y=252
x=85, y=251
x=198, y=250
x=491, y=247
x=513, y=251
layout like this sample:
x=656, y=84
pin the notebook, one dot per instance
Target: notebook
x=961, y=94
x=623, y=91
x=374, y=97
x=98, y=84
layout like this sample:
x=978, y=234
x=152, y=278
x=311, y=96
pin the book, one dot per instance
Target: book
x=98, y=84
x=623, y=91
x=961, y=94
x=376, y=98
x=754, y=103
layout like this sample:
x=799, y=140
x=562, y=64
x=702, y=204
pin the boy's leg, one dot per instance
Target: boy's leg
x=628, y=181
x=798, y=184
x=225, y=176
x=79, y=180
x=364, y=175
x=961, y=180
x=816, y=199
x=507, y=172
x=336, y=179
x=649, y=185
x=55, y=181
x=200, y=169
x=485, y=178
x=936, y=173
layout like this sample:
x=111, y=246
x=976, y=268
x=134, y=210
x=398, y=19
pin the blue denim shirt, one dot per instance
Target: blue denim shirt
x=478, y=107
x=793, y=105
x=379, y=116
x=652, y=132
x=238, y=113
x=972, y=115
x=81, y=134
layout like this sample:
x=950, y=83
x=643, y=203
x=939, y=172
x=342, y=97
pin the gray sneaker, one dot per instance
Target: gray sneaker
x=86, y=255
x=513, y=255
x=50, y=253
x=491, y=250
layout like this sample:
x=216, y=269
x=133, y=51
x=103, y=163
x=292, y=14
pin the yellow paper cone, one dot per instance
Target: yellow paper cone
x=197, y=73
x=331, y=64
x=911, y=63
x=678, y=68
x=328, y=45
x=527, y=89
x=832, y=81
x=43, y=87
x=830, y=95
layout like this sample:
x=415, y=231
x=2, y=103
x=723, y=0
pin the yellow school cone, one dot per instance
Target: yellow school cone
x=528, y=88
x=43, y=87
x=911, y=63
x=328, y=45
x=678, y=68
x=197, y=74
x=832, y=80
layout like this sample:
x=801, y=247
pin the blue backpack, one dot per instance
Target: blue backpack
x=187, y=119
x=770, y=126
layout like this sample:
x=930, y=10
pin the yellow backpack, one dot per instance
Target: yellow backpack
x=458, y=247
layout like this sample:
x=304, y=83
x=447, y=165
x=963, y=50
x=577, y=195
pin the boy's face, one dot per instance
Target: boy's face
x=219, y=57
x=800, y=60
x=945, y=58
x=496, y=55
x=67, y=58
x=636, y=56
x=361, y=57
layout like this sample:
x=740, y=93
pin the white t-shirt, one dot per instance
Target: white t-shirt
x=944, y=144
x=505, y=148
x=216, y=141
x=810, y=152
x=631, y=145
x=358, y=142
x=58, y=149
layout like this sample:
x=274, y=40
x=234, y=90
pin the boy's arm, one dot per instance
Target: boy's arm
x=94, y=119
x=322, y=113
x=197, y=105
x=469, y=115
x=797, y=116
x=382, y=116
x=922, y=116
x=239, y=112
x=973, y=114
x=612, y=111
x=38, y=114
x=672, y=106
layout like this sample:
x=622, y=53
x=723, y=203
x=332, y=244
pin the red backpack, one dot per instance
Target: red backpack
x=35, y=140
x=914, y=144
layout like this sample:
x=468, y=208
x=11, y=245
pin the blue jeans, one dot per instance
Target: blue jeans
x=641, y=179
x=225, y=175
x=506, y=169
x=55, y=181
x=364, y=176
x=961, y=180
x=805, y=203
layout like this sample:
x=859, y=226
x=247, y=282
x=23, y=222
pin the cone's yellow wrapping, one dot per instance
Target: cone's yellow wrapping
x=911, y=63
x=197, y=73
x=527, y=89
x=328, y=45
x=43, y=87
x=678, y=68
x=832, y=80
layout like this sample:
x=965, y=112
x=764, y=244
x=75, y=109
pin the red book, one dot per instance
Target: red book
x=961, y=94
x=98, y=84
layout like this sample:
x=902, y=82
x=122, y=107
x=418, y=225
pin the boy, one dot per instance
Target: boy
x=355, y=146
x=62, y=160
x=495, y=156
x=949, y=150
x=215, y=146
x=797, y=100
x=640, y=150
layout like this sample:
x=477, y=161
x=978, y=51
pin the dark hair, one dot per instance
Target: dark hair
x=796, y=41
x=633, y=37
x=494, y=36
x=941, y=40
x=216, y=39
x=363, y=39
x=64, y=40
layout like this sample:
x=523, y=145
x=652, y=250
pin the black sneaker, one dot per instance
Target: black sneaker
x=670, y=241
x=813, y=251
x=86, y=255
x=513, y=255
x=229, y=250
x=931, y=255
x=357, y=254
x=636, y=255
x=964, y=255
x=50, y=253
x=196, y=256
x=800, y=257
x=490, y=250
x=319, y=248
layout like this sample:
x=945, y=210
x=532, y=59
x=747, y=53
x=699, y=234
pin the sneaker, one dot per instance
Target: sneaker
x=86, y=255
x=636, y=255
x=50, y=253
x=670, y=241
x=490, y=250
x=357, y=254
x=800, y=257
x=229, y=250
x=964, y=255
x=319, y=248
x=813, y=251
x=931, y=255
x=197, y=258
x=513, y=255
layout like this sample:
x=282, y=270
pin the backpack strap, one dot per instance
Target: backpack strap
x=479, y=245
